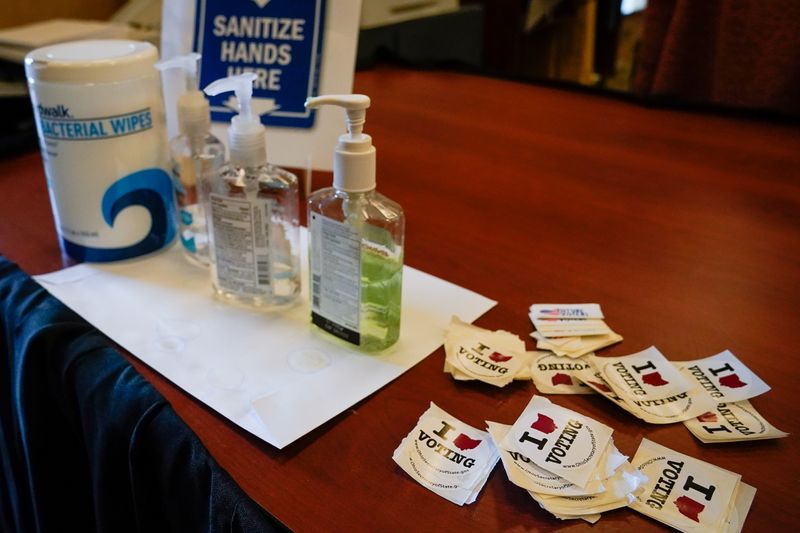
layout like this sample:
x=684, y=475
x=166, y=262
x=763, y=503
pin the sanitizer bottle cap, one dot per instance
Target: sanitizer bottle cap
x=354, y=158
x=194, y=117
x=246, y=136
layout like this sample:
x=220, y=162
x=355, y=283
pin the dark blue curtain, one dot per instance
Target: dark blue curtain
x=87, y=444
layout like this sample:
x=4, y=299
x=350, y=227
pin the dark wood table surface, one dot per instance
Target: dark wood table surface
x=685, y=227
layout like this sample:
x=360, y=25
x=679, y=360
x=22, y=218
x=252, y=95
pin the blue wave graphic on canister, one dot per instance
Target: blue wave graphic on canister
x=149, y=188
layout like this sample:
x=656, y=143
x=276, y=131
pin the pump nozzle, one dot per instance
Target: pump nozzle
x=242, y=86
x=246, y=134
x=188, y=63
x=193, y=111
x=355, y=105
x=354, y=158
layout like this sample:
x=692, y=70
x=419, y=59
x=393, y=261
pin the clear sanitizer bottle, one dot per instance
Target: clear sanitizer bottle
x=196, y=157
x=253, y=214
x=355, y=242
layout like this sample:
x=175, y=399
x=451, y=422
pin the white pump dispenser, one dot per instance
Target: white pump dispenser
x=194, y=116
x=196, y=156
x=354, y=158
x=246, y=136
x=253, y=215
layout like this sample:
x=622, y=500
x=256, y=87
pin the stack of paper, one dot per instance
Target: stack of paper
x=494, y=357
x=571, y=330
x=689, y=494
x=447, y=456
x=566, y=461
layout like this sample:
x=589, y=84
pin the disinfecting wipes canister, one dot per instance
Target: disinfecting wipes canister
x=101, y=129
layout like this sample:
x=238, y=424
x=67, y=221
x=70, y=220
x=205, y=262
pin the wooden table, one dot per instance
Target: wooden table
x=684, y=227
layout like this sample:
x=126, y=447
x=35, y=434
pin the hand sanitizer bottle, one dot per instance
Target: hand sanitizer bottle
x=356, y=242
x=253, y=214
x=196, y=156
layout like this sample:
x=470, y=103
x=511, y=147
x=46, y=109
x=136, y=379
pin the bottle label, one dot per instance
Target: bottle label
x=335, y=277
x=242, y=244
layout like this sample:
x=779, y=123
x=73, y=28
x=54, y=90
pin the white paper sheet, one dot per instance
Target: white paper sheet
x=271, y=374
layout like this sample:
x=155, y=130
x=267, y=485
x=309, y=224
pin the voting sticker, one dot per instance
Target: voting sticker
x=643, y=375
x=732, y=422
x=559, y=440
x=672, y=409
x=724, y=377
x=494, y=357
x=595, y=380
x=742, y=500
x=447, y=456
x=683, y=492
x=522, y=472
x=558, y=375
x=565, y=311
x=622, y=488
x=575, y=346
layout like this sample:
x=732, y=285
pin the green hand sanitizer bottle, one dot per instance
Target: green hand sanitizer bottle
x=355, y=242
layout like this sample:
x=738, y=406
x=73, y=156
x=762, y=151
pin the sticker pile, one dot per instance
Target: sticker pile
x=689, y=494
x=566, y=461
x=708, y=395
x=571, y=330
x=570, y=466
x=494, y=357
x=729, y=383
x=650, y=387
x=447, y=456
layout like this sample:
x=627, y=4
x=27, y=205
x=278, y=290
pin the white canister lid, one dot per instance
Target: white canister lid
x=94, y=61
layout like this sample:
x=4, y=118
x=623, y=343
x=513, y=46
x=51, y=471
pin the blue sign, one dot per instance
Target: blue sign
x=279, y=40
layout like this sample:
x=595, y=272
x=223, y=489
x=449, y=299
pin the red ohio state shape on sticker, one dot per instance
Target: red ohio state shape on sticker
x=707, y=417
x=463, y=442
x=732, y=381
x=544, y=424
x=499, y=358
x=561, y=379
x=654, y=379
x=690, y=508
